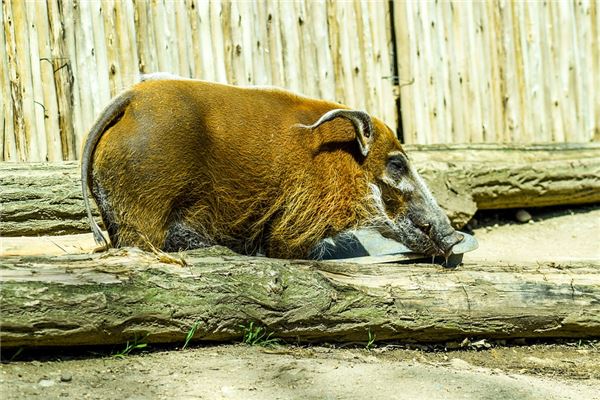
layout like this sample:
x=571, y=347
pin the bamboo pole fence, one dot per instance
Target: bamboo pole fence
x=436, y=72
x=498, y=71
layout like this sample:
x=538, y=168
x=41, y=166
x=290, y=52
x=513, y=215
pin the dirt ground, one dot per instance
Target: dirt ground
x=480, y=370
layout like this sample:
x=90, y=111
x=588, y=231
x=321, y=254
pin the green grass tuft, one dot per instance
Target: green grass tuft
x=131, y=346
x=371, y=342
x=190, y=334
x=257, y=336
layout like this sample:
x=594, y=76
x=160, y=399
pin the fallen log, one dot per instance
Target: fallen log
x=41, y=199
x=508, y=176
x=45, y=199
x=127, y=294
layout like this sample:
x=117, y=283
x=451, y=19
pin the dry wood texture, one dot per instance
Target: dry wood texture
x=44, y=199
x=62, y=61
x=498, y=71
x=465, y=72
x=110, y=299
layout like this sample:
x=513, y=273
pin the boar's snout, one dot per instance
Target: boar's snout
x=421, y=224
x=446, y=243
x=416, y=220
x=432, y=233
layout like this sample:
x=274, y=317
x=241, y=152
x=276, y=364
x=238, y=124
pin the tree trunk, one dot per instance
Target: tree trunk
x=44, y=199
x=41, y=199
x=111, y=298
x=508, y=176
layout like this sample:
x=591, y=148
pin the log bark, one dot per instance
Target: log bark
x=508, y=176
x=41, y=199
x=45, y=199
x=112, y=298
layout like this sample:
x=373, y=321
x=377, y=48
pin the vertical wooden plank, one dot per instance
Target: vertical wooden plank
x=39, y=14
x=577, y=70
x=162, y=36
x=7, y=102
x=275, y=44
x=225, y=26
x=217, y=41
x=549, y=76
x=63, y=78
x=425, y=78
x=320, y=49
x=553, y=31
x=510, y=74
x=247, y=40
x=364, y=72
x=114, y=61
x=420, y=73
x=595, y=53
x=232, y=40
x=346, y=22
x=127, y=44
x=40, y=134
x=203, y=48
x=4, y=94
x=534, y=90
x=437, y=76
x=586, y=76
x=145, y=38
x=497, y=59
x=120, y=42
x=564, y=60
x=169, y=8
x=306, y=55
x=475, y=122
x=404, y=39
x=336, y=51
x=290, y=46
x=458, y=72
x=483, y=47
x=182, y=38
x=85, y=60
x=261, y=64
x=70, y=69
x=194, y=42
x=101, y=66
x=378, y=19
x=22, y=82
x=352, y=47
x=521, y=67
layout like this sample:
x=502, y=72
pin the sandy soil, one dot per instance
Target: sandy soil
x=245, y=372
x=499, y=370
x=551, y=236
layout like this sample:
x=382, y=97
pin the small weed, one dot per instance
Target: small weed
x=129, y=347
x=190, y=334
x=257, y=336
x=371, y=342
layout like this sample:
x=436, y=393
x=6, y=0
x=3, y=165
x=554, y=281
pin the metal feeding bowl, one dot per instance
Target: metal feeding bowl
x=367, y=246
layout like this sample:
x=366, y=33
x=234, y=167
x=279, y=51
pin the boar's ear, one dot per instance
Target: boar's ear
x=363, y=126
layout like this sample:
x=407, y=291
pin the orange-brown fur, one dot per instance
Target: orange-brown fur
x=234, y=164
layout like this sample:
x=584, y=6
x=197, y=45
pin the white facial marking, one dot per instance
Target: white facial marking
x=395, y=154
x=404, y=186
x=378, y=202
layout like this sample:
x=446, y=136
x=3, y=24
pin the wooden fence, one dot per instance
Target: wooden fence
x=463, y=72
x=489, y=71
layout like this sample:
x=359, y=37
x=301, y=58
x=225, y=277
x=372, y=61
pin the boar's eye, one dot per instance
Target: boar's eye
x=397, y=165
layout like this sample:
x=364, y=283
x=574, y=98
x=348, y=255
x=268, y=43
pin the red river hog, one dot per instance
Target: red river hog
x=178, y=164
